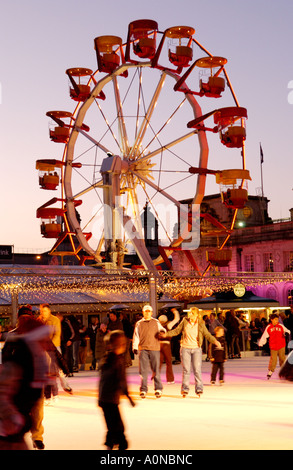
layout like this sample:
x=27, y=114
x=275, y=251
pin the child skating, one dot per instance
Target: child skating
x=218, y=355
x=275, y=332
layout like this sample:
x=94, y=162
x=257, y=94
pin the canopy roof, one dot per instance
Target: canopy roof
x=69, y=285
x=227, y=300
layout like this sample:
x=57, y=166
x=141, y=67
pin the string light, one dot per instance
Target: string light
x=176, y=285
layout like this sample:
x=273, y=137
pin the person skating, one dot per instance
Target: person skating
x=23, y=375
x=166, y=350
x=275, y=333
x=112, y=385
x=146, y=344
x=193, y=331
x=218, y=355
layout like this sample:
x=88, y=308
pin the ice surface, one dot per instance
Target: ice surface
x=247, y=412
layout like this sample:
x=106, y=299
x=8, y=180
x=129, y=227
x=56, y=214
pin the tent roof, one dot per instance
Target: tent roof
x=226, y=300
x=68, y=285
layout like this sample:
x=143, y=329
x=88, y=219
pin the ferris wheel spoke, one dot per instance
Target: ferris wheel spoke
x=139, y=98
x=92, y=218
x=157, y=188
x=168, y=146
x=165, y=124
x=145, y=123
x=121, y=120
x=101, y=241
x=109, y=126
x=98, y=184
x=94, y=141
x=133, y=202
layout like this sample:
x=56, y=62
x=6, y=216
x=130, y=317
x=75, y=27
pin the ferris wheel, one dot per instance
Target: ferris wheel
x=137, y=140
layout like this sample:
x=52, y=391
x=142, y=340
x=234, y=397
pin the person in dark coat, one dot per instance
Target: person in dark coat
x=100, y=344
x=67, y=335
x=218, y=355
x=75, y=341
x=128, y=331
x=255, y=334
x=232, y=335
x=92, y=333
x=114, y=321
x=112, y=385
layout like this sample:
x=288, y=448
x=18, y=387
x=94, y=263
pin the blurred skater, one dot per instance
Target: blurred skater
x=54, y=323
x=23, y=375
x=112, y=385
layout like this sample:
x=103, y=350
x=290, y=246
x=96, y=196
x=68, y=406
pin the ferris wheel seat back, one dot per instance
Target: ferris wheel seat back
x=60, y=135
x=109, y=62
x=219, y=258
x=235, y=198
x=181, y=57
x=145, y=48
x=49, y=181
x=51, y=230
x=107, y=57
x=234, y=137
x=81, y=94
x=214, y=87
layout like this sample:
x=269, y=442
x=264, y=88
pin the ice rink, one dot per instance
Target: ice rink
x=248, y=412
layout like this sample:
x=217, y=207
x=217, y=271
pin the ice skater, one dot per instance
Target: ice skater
x=275, y=332
x=112, y=385
x=166, y=353
x=147, y=344
x=218, y=355
x=23, y=375
x=193, y=331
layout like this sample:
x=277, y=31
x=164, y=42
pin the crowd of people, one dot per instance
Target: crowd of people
x=242, y=335
x=44, y=349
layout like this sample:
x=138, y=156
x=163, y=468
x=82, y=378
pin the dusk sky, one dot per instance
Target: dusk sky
x=40, y=40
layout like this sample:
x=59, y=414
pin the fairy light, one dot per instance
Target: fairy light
x=133, y=284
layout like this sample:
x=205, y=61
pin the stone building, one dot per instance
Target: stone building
x=257, y=245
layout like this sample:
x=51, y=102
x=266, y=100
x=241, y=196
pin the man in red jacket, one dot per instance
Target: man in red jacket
x=275, y=331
